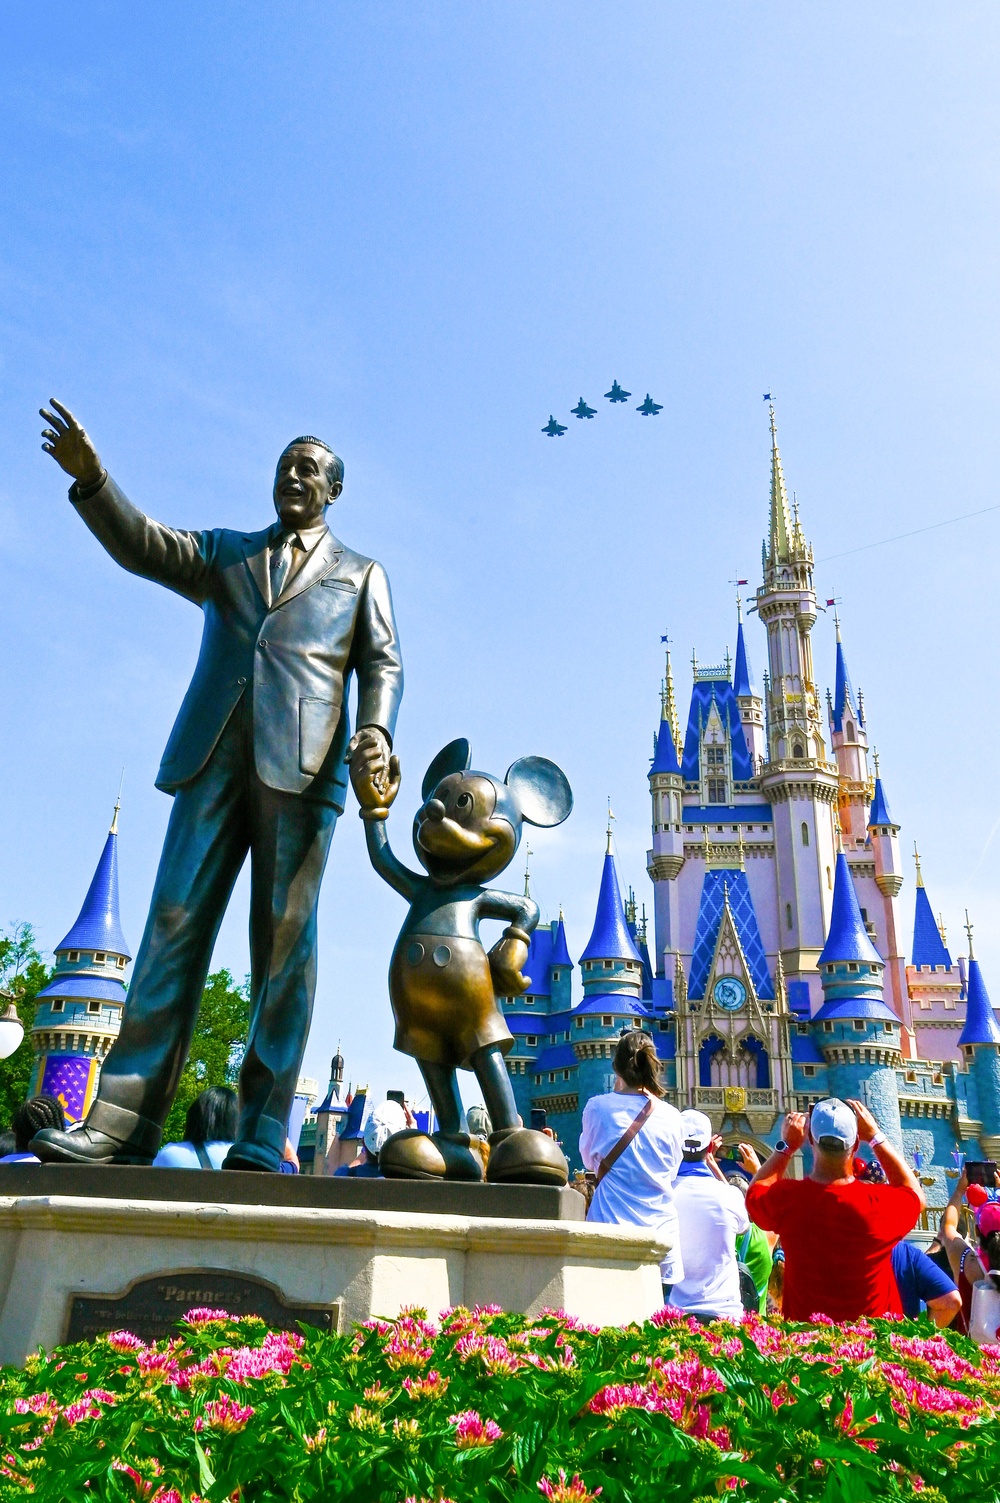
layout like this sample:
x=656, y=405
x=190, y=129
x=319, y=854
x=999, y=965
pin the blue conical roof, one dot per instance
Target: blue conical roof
x=536, y=967
x=928, y=946
x=879, y=813
x=665, y=758
x=843, y=693
x=610, y=939
x=560, y=949
x=981, y=1026
x=99, y=926
x=742, y=678
x=848, y=937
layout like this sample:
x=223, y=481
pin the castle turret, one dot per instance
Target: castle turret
x=611, y=961
x=850, y=748
x=798, y=780
x=858, y=1035
x=883, y=839
x=79, y=1014
x=980, y=1043
x=934, y=983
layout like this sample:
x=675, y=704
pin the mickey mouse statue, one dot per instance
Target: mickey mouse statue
x=442, y=985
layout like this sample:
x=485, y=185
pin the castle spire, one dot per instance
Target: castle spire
x=780, y=530
x=981, y=1026
x=610, y=939
x=742, y=680
x=98, y=926
x=929, y=947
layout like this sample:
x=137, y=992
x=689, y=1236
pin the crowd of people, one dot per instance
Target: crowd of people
x=745, y=1235
x=742, y=1235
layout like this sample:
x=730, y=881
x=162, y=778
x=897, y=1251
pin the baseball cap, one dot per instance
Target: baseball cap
x=386, y=1119
x=833, y=1126
x=697, y=1131
x=988, y=1218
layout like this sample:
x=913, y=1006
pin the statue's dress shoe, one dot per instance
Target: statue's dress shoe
x=523, y=1156
x=413, y=1154
x=84, y=1145
x=255, y=1156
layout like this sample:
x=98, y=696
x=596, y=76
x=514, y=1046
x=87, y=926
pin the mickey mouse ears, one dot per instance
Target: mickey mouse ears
x=537, y=786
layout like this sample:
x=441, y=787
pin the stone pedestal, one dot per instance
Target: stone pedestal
x=353, y=1260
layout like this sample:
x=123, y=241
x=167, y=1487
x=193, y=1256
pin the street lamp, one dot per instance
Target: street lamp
x=11, y=1028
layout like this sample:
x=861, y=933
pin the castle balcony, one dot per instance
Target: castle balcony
x=713, y=1098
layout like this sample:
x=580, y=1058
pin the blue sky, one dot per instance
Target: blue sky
x=417, y=229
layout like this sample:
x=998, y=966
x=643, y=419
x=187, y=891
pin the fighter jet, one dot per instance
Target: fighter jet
x=581, y=410
x=616, y=394
x=649, y=408
x=553, y=429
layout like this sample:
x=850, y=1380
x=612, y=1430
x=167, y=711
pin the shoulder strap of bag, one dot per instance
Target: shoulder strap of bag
x=203, y=1159
x=610, y=1159
x=743, y=1246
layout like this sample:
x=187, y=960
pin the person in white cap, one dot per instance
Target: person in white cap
x=711, y=1214
x=384, y=1120
x=838, y=1232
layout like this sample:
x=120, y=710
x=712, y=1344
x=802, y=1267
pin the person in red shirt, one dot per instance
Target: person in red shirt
x=837, y=1231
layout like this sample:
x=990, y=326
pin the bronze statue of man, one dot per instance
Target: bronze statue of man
x=256, y=762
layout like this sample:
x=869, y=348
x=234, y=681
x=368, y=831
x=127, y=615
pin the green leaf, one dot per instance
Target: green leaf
x=206, y=1476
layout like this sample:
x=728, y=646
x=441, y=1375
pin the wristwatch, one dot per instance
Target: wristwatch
x=781, y=1146
x=876, y=1140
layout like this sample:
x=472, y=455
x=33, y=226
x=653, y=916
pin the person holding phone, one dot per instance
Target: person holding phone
x=969, y=1263
x=837, y=1231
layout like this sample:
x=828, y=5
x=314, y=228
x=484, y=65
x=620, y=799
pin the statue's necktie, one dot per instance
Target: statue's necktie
x=280, y=563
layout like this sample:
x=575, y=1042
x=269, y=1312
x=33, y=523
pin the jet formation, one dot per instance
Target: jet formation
x=617, y=394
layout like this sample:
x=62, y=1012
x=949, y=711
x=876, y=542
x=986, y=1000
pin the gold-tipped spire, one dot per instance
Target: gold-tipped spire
x=916, y=862
x=941, y=929
x=781, y=521
x=668, y=705
x=968, y=930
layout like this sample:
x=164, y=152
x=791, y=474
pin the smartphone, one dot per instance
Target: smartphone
x=982, y=1172
x=397, y=1096
x=538, y=1121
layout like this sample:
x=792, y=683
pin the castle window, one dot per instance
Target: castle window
x=565, y=1075
x=788, y=915
x=607, y=1021
x=566, y=1036
x=715, y=756
x=532, y=1038
x=798, y=751
x=859, y=1025
x=890, y=1028
x=538, y=1080
x=805, y=833
x=100, y=958
x=579, y=1022
x=556, y=975
x=74, y=955
x=58, y=1005
x=93, y=1006
x=809, y=1071
x=122, y=962
x=552, y=1077
x=852, y=965
x=850, y=731
x=528, y=1001
x=609, y=965
x=827, y=1027
x=717, y=791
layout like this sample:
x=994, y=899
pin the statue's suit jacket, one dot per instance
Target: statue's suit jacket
x=332, y=618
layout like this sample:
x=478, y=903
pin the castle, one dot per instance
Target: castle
x=778, y=973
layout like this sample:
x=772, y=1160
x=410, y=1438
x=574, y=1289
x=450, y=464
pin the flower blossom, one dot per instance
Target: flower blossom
x=430, y=1386
x=471, y=1431
x=124, y=1341
x=224, y=1414
x=494, y=1353
x=562, y=1491
x=202, y=1315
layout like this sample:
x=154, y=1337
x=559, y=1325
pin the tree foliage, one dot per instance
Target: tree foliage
x=217, y=1047
x=24, y=974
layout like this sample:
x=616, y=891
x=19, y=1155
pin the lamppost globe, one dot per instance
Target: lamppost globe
x=11, y=1031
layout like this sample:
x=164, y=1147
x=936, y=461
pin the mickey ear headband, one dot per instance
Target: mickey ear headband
x=988, y=1218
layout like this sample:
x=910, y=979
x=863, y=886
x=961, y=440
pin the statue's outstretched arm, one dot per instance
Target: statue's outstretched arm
x=170, y=556
x=376, y=793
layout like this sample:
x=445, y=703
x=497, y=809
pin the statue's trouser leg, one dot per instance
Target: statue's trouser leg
x=289, y=840
x=442, y=1086
x=206, y=844
x=498, y=1093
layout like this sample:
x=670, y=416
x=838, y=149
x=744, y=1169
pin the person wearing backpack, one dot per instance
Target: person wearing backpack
x=631, y=1142
x=712, y=1215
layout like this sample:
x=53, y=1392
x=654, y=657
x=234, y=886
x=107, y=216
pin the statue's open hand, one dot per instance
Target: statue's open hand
x=506, y=958
x=68, y=443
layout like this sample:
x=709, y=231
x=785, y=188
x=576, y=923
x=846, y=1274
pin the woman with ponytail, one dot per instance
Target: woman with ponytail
x=632, y=1141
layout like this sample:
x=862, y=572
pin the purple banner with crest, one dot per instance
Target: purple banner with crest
x=68, y=1077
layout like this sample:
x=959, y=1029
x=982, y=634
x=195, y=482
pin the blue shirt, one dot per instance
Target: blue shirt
x=918, y=1278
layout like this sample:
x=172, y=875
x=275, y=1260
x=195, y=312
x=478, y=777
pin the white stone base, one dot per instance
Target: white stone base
x=372, y=1262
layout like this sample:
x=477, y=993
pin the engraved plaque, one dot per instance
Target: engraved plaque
x=151, y=1306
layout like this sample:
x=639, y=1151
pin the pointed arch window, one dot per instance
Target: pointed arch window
x=849, y=731
x=798, y=751
x=805, y=833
